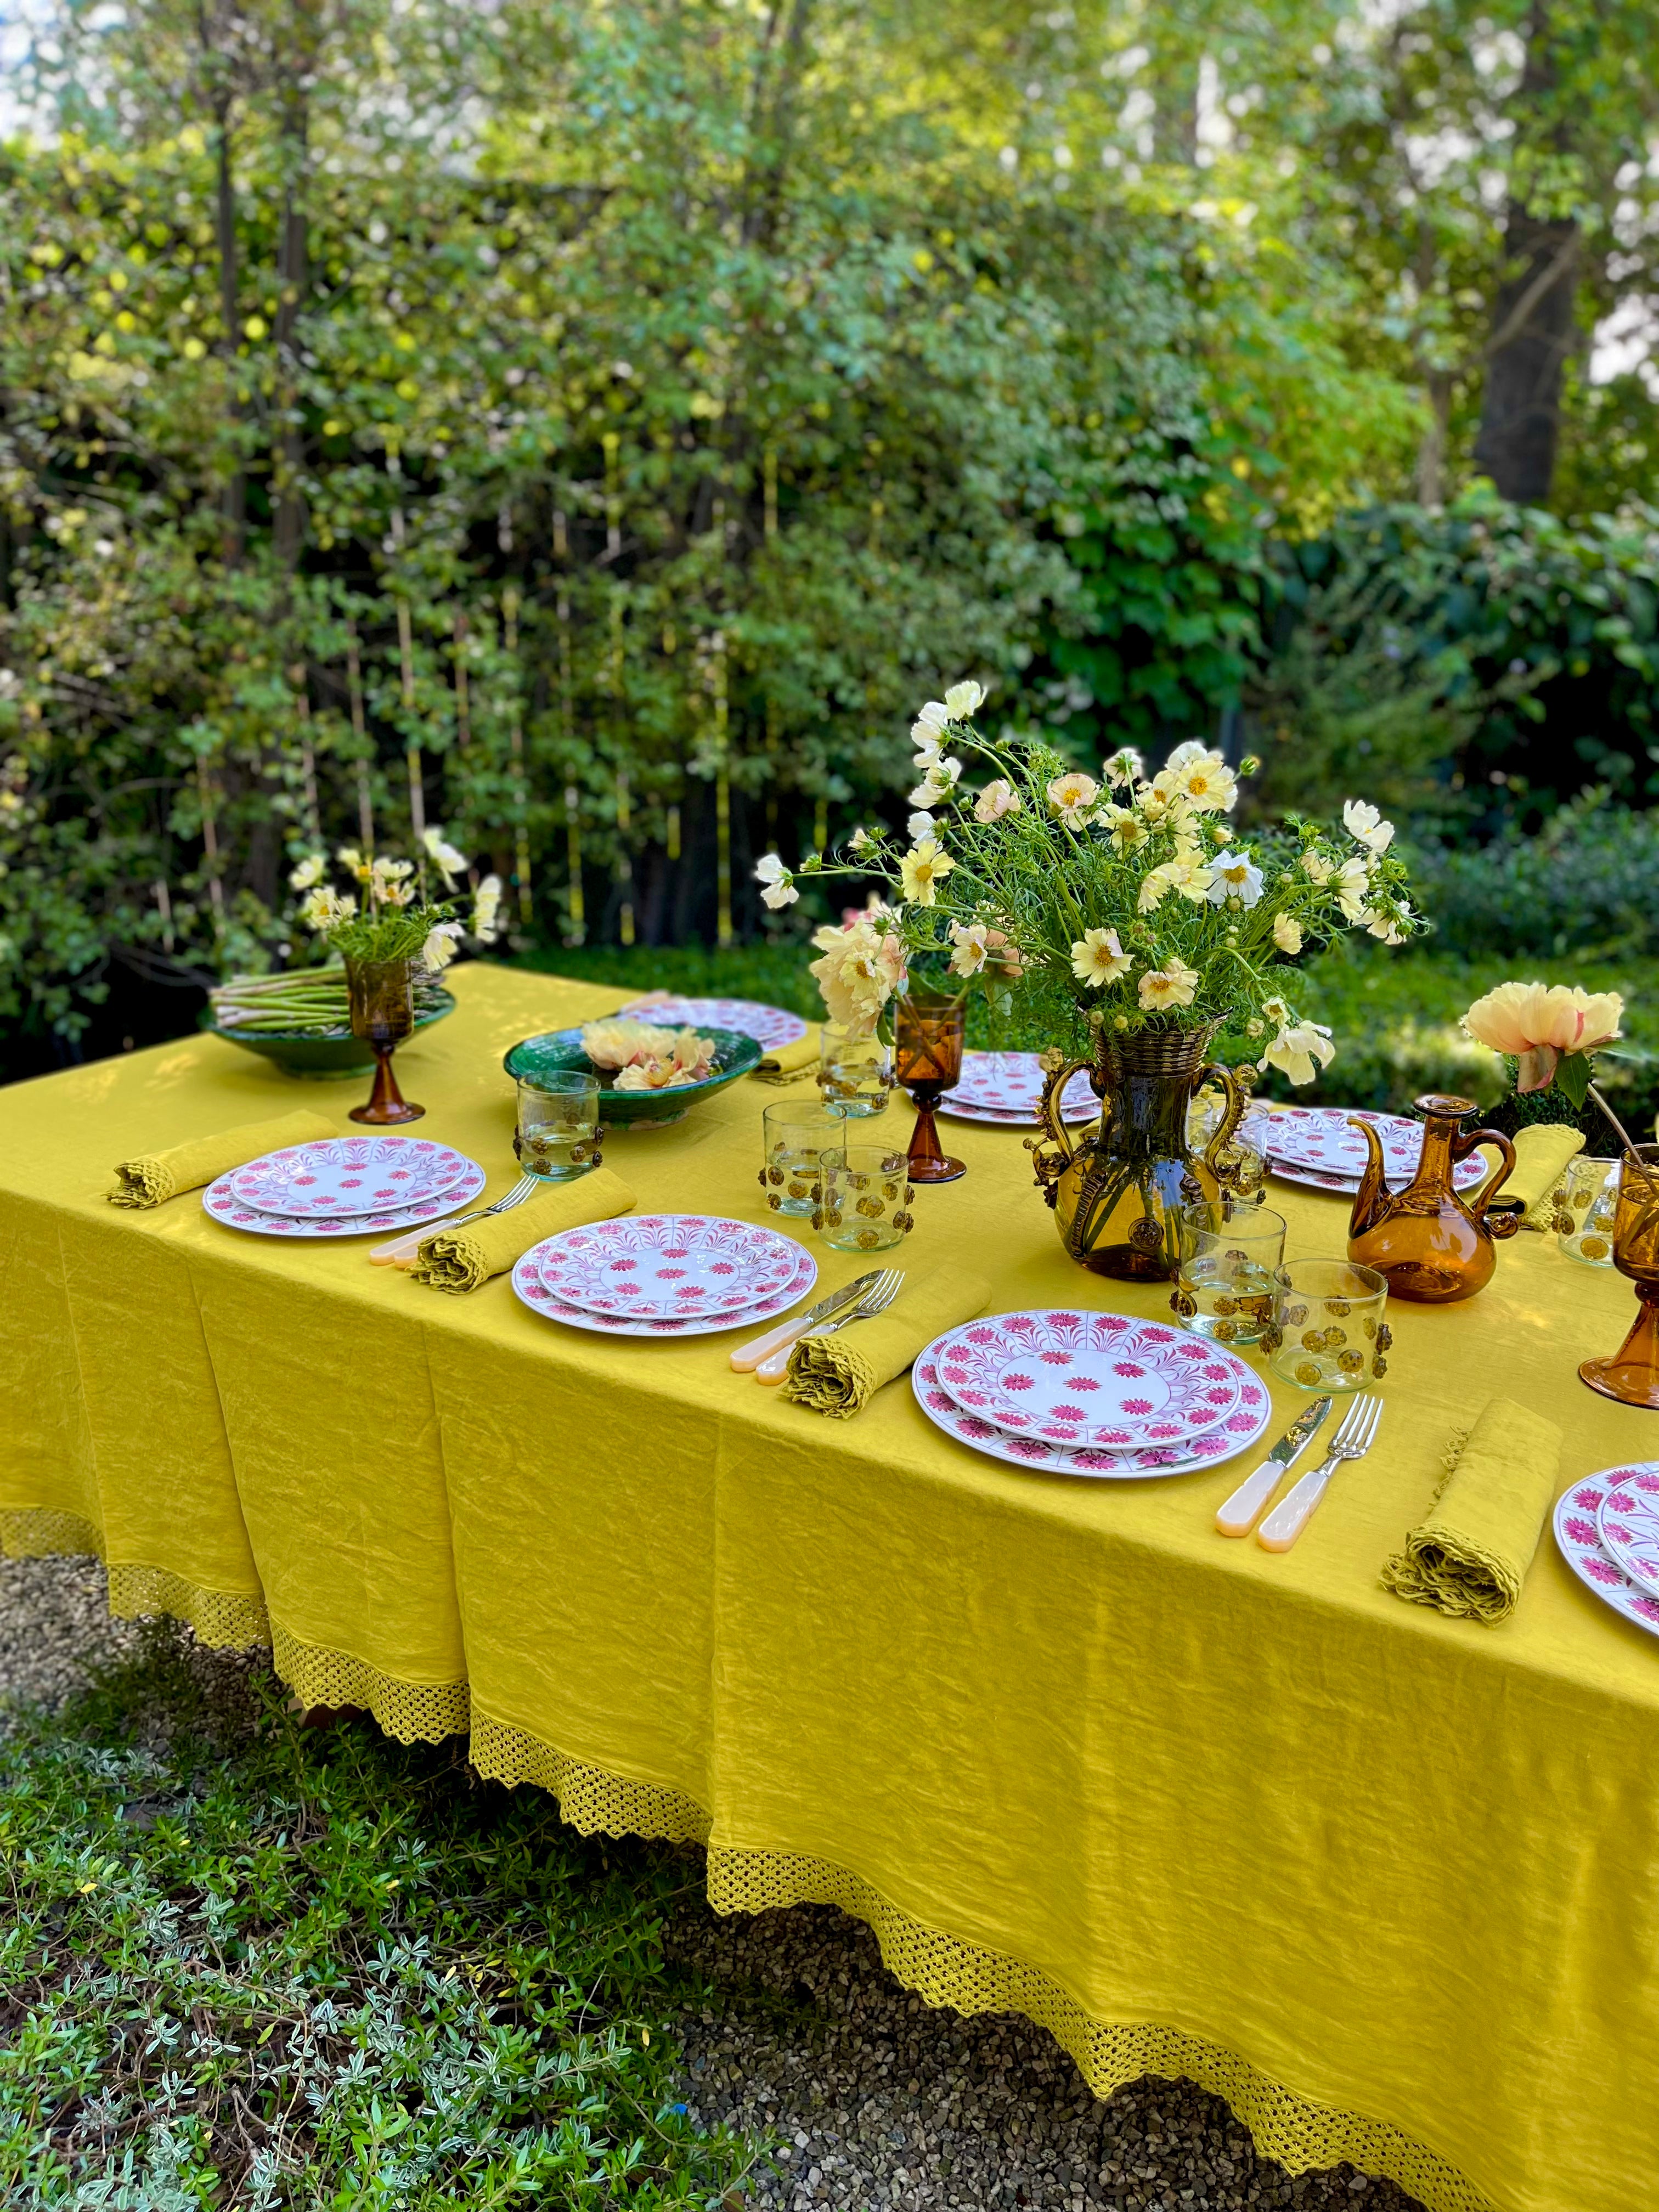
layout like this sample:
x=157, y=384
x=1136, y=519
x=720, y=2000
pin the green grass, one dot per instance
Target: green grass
x=1393, y=1015
x=270, y=1966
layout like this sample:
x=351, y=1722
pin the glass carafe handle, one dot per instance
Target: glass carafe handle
x=1504, y=1225
x=1237, y=1099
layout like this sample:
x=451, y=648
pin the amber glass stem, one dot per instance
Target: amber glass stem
x=386, y=1103
x=1631, y=1374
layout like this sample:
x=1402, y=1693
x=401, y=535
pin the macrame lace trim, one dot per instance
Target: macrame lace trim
x=415, y=1712
x=1299, y=2133
x=228, y=1621
x=592, y=1801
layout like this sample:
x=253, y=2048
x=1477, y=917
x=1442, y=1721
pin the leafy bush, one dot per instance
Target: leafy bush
x=300, y=1968
x=1583, y=886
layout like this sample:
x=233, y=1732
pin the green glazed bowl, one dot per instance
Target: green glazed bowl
x=318, y=1058
x=559, y=1052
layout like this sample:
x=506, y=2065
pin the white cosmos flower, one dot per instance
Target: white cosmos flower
x=1366, y=823
x=1300, y=1050
x=1351, y=884
x=307, y=873
x=1287, y=934
x=1234, y=876
x=1098, y=958
x=1124, y=766
x=1072, y=795
x=972, y=943
x=963, y=699
x=440, y=947
x=1172, y=985
x=920, y=826
x=486, y=910
x=861, y=840
x=997, y=799
x=778, y=885
x=931, y=722
x=449, y=863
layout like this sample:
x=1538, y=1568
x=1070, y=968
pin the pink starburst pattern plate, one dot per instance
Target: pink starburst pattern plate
x=1317, y=1141
x=1236, y=1434
x=1577, y=1512
x=1103, y=1380
x=770, y=1026
x=528, y=1282
x=1627, y=1520
x=221, y=1202
x=659, y=1266
x=335, y=1176
x=1006, y=1086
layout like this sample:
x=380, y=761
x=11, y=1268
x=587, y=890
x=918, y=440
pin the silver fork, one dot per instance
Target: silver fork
x=404, y=1247
x=876, y=1299
x=1352, y=1440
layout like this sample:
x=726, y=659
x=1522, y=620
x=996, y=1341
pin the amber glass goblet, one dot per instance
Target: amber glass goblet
x=1631, y=1374
x=382, y=994
x=928, y=1062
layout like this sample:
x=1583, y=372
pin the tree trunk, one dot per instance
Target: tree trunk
x=234, y=501
x=1533, y=328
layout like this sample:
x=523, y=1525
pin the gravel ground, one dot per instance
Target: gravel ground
x=881, y=2104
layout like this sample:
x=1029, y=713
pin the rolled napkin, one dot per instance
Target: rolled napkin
x=839, y=1374
x=1542, y=1150
x=1469, y=1555
x=154, y=1177
x=464, y=1258
x=791, y=1059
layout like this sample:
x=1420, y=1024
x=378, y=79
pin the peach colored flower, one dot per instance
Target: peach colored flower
x=1536, y=1024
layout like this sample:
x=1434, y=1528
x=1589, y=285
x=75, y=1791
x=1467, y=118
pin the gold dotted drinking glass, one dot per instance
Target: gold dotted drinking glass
x=796, y=1133
x=1585, y=1201
x=557, y=1138
x=1327, y=1332
x=855, y=1073
x=1227, y=1272
x=866, y=1197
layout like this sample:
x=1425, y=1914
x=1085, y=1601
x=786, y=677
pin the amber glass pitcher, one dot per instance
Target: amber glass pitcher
x=1432, y=1244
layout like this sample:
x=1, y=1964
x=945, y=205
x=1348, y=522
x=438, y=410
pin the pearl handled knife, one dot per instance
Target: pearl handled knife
x=748, y=1357
x=1240, y=1513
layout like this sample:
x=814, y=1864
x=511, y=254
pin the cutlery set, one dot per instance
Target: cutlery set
x=1280, y=1529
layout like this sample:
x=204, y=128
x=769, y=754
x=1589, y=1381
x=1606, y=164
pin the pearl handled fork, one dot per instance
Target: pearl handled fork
x=1352, y=1440
x=400, y=1249
x=876, y=1299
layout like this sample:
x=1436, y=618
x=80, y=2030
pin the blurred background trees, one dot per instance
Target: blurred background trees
x=594, y=427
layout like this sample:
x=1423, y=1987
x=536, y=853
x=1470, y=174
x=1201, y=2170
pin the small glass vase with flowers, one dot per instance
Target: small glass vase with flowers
x=385, y=931
x=1124, y=912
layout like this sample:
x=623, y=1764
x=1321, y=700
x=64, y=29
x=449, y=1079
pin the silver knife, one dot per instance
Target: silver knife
x=748, y=1357
x=1239, y=1514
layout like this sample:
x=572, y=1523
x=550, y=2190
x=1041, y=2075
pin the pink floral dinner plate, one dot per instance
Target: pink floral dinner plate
x=770, y=1026
x=1311, y=1140
x=221, y=1202
x=1106, y=1381
x=1006, y=1086
x=335, y=1176
x=1236, y=1434
x=1577, y=1533
x=1627, y=1520
x=659, y=1266
x=534, y=1291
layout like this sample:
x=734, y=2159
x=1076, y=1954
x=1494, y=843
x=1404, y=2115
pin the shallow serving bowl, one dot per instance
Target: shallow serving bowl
x=560, y=1052
x=297, y=1052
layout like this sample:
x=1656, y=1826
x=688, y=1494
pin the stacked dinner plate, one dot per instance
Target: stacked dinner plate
x=1005, y=1087
x=345, y=1187
x=1316, y=1147
x=1090, y=1393
x=1607, y=1527
x=665, y=1274
x=770, y=1026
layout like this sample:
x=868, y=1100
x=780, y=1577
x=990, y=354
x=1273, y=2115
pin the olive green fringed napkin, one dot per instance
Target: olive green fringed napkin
x=839, y=1374
x=466, y=1258
x=154, y=1177
x=790, y=1061
x=1469, y=1556
x=1541, y=1152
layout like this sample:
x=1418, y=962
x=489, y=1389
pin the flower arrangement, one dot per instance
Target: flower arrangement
x=389, y=917
x=1127, y=897
x=640, y=1056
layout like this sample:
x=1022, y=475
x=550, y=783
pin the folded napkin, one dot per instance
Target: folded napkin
x=154, y=1177
x=791, y=1059
x=1542, y=1150
x=464, y=1259
x=1469, y=1556
x=839, y=1374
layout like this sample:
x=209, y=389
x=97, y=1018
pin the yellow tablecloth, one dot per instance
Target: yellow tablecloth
x=1388, y=1882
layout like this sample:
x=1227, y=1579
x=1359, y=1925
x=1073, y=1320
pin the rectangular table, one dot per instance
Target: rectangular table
x=1388, y=1883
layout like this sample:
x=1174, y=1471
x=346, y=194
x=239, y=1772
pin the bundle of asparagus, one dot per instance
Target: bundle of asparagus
x=304, y=1002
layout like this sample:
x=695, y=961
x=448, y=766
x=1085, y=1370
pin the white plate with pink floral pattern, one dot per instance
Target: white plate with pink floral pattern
x=1106, y=1381
x=1006, y=1086
x=1236, y=1434
x=335, y=1176
x=658, y=1266
x=528, y=1283
x=769, y=1025
x=1317, y=1141
x=1577, y=1513
x=1627, y=1520
x=221, y=1202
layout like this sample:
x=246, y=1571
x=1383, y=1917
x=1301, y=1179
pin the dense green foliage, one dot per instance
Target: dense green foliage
x=293, y=1968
